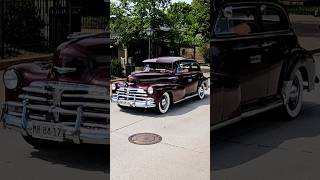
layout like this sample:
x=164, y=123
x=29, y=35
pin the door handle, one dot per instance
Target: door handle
x=255, y=59
x=172, y=78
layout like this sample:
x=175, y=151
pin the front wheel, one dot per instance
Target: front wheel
x=201, y=90
x=164, y=103
x=294, y=104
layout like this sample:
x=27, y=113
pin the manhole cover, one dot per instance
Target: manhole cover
x=145, y=138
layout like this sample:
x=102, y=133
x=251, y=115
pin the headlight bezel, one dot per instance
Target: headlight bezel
x=113, y=86
x=150, y=90
x=5, y=79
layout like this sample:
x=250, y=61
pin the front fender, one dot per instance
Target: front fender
x=206, y=82
x=27, y=72
x=176, y=91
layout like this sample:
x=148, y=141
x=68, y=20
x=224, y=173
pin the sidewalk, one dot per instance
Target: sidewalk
x=4, y=63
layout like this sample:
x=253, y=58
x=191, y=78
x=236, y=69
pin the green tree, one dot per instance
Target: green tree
x=200, y=20
x=186, y=24
x=22, y=25
x=131, y=18
x=179, y=21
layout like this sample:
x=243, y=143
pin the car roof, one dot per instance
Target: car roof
x=169, y=59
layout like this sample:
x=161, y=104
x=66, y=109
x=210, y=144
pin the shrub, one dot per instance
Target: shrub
x=116, y=68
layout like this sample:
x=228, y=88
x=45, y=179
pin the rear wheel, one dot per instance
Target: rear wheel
x=294, y=105
x=164, y=103
x=201, y=90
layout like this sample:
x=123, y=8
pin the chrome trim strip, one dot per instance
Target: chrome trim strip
x=188, y=97
x=36, y=90
x=87, y=104
x=35, y=98
x=52, y=109
x=86, y=96
x=245, y=115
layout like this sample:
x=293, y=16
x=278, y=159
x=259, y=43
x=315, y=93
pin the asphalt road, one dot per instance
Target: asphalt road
x=265, y=147
x=183, y=153
x=20, y=161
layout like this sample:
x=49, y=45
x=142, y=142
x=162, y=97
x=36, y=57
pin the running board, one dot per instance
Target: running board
x=246, y=115
x=188, y=97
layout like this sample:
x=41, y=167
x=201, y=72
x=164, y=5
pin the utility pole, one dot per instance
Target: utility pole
x=149, y=56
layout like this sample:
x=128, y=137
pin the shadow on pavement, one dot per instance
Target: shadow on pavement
x=253, y=137
x=85, y=157
x=175, y=109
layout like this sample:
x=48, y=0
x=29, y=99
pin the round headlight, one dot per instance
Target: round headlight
x=150, y=90
x=113, y=86
x=10, y=79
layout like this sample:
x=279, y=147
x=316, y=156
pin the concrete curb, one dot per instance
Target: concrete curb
x=5, y=63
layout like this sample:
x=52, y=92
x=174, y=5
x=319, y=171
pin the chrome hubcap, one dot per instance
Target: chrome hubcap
x=201, y=90
x=294, y=94
x=163, y=102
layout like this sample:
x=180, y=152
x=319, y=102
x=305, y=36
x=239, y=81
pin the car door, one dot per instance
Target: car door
x=196, y=75
x=186, y=76
x=238, y=49
x=226, y=101
x=277, y=42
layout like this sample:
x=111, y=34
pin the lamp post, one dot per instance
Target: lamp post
x=149, y=34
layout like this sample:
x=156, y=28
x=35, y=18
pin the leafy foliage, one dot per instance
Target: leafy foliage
x=116, y=68
x=22, y=25
x=177, y=24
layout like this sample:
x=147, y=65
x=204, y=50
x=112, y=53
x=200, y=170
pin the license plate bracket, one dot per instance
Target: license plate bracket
x=48, y=131
x=124, y=103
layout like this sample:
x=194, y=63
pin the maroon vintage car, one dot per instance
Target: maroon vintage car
x=257, y=62
x=164, y=81
x=66, y=100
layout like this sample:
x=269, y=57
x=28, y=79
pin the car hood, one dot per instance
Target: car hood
x=98, y=77
x=147, y=77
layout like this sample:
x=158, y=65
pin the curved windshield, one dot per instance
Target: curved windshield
x=157, y=67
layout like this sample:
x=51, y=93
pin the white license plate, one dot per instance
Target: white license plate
x=124, y=103
x=47, y=131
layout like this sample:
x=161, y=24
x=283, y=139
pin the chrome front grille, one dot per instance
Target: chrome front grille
x=135, y=94
x=60, y=102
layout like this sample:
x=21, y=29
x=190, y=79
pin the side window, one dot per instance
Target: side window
x=236, y=21
x=273, y=19
x=183, y=67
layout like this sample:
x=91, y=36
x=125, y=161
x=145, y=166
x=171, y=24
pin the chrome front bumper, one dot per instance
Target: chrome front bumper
x=77, y=131
x=145, y=103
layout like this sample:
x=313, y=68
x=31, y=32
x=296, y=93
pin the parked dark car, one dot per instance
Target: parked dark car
x=257, y=62
x=66, y=100
x=163, y=82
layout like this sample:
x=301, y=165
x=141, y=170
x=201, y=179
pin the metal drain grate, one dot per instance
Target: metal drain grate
x=145, y=138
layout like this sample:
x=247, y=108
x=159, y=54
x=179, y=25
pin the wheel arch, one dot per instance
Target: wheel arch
x=302, y=61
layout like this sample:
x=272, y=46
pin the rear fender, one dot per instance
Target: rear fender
x=304, y=62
